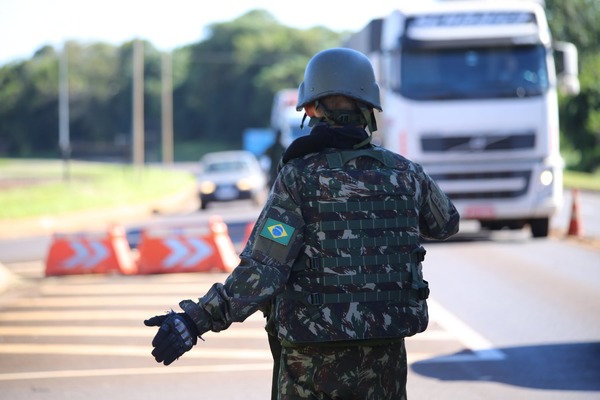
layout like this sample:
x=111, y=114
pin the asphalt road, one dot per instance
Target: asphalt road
x=511, y=318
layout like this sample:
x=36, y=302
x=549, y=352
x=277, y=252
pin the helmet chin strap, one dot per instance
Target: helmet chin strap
x=369, y=117
x=313, y=121
x=363, y=116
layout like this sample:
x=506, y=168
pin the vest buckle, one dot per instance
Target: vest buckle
x=315, y=299
x=423, y=293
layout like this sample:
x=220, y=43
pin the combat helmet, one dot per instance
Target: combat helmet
x=341, y=71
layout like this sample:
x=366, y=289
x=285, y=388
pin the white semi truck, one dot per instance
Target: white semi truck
x=469, y=91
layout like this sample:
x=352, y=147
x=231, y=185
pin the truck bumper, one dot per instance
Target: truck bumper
x=520, y=190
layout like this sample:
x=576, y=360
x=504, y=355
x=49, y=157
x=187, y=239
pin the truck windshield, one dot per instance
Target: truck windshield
x=472, y=73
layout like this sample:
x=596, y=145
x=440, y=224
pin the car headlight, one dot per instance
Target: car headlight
x=245, y=184
x=207, y=187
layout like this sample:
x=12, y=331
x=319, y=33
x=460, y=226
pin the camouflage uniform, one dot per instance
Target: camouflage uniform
x=342, y=337
x=351, y=372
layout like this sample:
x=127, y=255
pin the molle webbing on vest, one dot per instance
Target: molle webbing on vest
x=399, y=296
x=383, y=188
x=384, y=223
x=369, y=242
x=360, y=279
x=360, y=276
x=352, y=245
x=377, y=259
x=353, y=206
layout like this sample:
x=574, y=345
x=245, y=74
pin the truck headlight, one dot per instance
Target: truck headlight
x=546, y=177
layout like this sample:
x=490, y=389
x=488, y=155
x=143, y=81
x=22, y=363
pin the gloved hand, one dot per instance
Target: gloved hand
x=177, y=334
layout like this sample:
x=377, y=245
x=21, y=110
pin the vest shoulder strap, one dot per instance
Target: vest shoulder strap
x=338, y=159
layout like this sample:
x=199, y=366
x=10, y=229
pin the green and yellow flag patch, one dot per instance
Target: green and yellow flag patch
x=277, y=231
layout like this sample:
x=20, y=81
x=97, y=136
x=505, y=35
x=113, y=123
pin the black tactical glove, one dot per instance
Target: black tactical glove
x=177, y=334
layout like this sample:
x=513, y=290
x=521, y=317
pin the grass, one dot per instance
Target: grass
x=31, y=188
x=582, y=180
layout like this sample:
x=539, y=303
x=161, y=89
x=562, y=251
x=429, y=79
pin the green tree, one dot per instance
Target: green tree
x=28, y=103
x=235, y=72
x=576, y=21
x=581, y=120
x=222, y=85
x=100, y=100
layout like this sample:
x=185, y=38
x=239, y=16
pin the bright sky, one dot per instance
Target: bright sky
x=27, y=25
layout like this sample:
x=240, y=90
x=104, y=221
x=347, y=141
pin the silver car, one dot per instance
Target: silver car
x=231, y=175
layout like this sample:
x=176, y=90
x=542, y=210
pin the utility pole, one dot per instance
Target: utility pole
x=138, y=104
x=167, y=110
x=63, y=111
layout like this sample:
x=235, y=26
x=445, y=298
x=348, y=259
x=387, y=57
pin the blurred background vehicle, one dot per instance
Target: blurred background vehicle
x=231, y=175
x=285, y=119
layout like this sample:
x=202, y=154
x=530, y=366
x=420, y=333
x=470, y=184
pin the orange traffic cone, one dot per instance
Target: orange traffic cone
x=575, y=227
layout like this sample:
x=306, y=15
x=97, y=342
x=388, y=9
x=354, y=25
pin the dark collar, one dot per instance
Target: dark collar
x=323, y=136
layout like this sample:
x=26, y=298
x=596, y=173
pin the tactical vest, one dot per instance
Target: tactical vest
x=359, y=276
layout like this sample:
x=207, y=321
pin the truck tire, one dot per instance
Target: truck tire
x=539, y=227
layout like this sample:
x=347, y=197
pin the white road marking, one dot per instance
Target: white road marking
x=90, y=315
x=99, y=288
x=123, y=331
x=129, y=351
x=482, y=349
x=90, y=291
x=117, y=331
x=160, y=302
x=158, y=370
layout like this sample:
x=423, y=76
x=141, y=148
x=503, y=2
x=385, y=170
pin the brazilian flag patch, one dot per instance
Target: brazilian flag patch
x=277, y=231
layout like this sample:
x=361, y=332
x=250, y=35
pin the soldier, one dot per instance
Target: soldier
x=274, y=153
x=334, y=259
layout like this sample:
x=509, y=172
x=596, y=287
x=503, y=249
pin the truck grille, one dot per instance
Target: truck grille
x=478, y=143
x=484, y=185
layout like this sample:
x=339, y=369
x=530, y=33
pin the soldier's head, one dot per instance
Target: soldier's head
x=339, y=88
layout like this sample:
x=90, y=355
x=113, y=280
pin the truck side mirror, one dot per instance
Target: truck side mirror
x=567, y=70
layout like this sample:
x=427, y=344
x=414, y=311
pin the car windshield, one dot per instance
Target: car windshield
x=227, y=166
x=472, y=73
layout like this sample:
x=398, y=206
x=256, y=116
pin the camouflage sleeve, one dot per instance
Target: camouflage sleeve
x=439, y=219
x=265, y=265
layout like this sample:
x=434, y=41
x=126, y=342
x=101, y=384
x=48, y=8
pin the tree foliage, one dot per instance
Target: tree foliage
x=226, y=82
x=221, y=86
x=233, y=75
x=576, y=21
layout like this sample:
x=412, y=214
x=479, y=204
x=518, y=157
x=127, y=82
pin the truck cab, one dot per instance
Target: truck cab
x=469, y=91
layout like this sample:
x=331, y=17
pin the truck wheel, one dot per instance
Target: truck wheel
x=539, y=227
